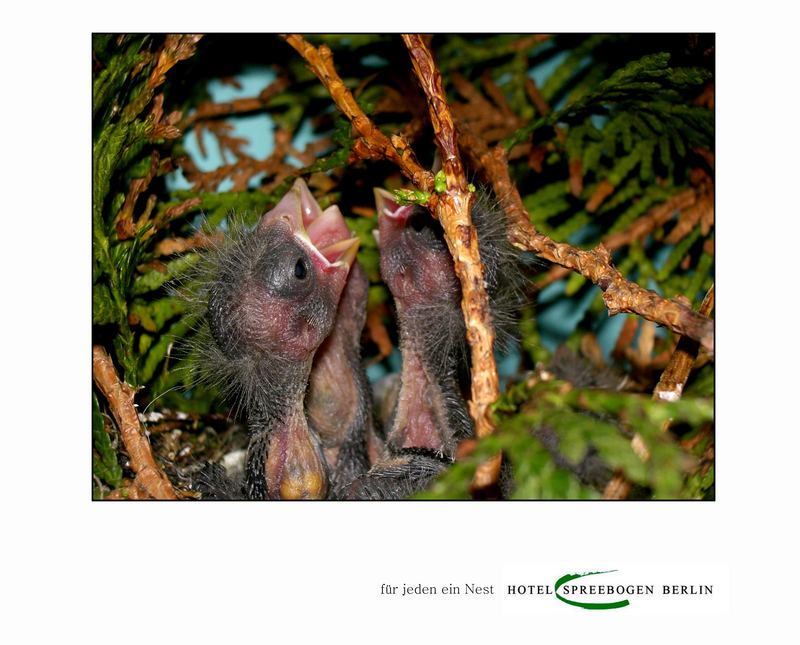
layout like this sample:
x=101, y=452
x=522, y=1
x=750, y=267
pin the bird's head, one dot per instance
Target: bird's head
x=277, y=290
x=415, y=262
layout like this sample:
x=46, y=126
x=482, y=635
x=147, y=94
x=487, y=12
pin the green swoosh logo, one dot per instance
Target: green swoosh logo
x=587, y=605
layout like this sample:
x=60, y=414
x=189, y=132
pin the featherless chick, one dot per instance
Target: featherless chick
x=269, y=299
x=430, y=416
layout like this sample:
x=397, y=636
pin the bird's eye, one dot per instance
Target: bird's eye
x=300, y=270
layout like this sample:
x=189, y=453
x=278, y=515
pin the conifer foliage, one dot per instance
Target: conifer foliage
x=605, y=140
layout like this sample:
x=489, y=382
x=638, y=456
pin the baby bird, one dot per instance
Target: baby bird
x=430, y=416
x=272, y=297
x=339, y=400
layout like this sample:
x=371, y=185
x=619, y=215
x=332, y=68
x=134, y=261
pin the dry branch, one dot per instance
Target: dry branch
x=177, y=210
x=603, y=190
x=245, y=167
x=617, y=488
x=673, y=379
x=164, y=127
x=493, y=90
x=150, y=480
x=619, y=294
x=373, y=143
x=123, y=221
x=492, y=120
x=453, y=211
x=175, y=245
x=536, y=97
x=176, y=48
x=210, y=110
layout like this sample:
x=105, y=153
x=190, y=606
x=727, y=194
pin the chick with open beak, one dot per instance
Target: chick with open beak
x=271, y=304
x=429, y=417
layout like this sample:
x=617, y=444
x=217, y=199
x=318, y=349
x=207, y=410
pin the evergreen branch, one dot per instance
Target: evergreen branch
x=104, y=458
x=619, y=295
x=669, y=388
x=114, y=76
x=535, y=95
x=458, y=52
x=150, y=481
x=647, y=78
x=123, y=221
x=637, y=231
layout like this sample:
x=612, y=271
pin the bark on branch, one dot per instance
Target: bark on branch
x=150, y=479
x=619, y=295
x=452, y=209
x=372, y=143
x=670, y=388
x=674, y=377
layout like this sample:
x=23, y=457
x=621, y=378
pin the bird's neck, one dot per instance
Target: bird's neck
x=430, y=411
x=284, y=459
x=278, y=393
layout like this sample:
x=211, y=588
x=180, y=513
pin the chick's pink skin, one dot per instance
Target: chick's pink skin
x=293, y=327
x=289, y=324
x=416, y=274
x=419, y=273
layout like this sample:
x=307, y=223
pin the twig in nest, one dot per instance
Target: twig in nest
x=150, y=480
